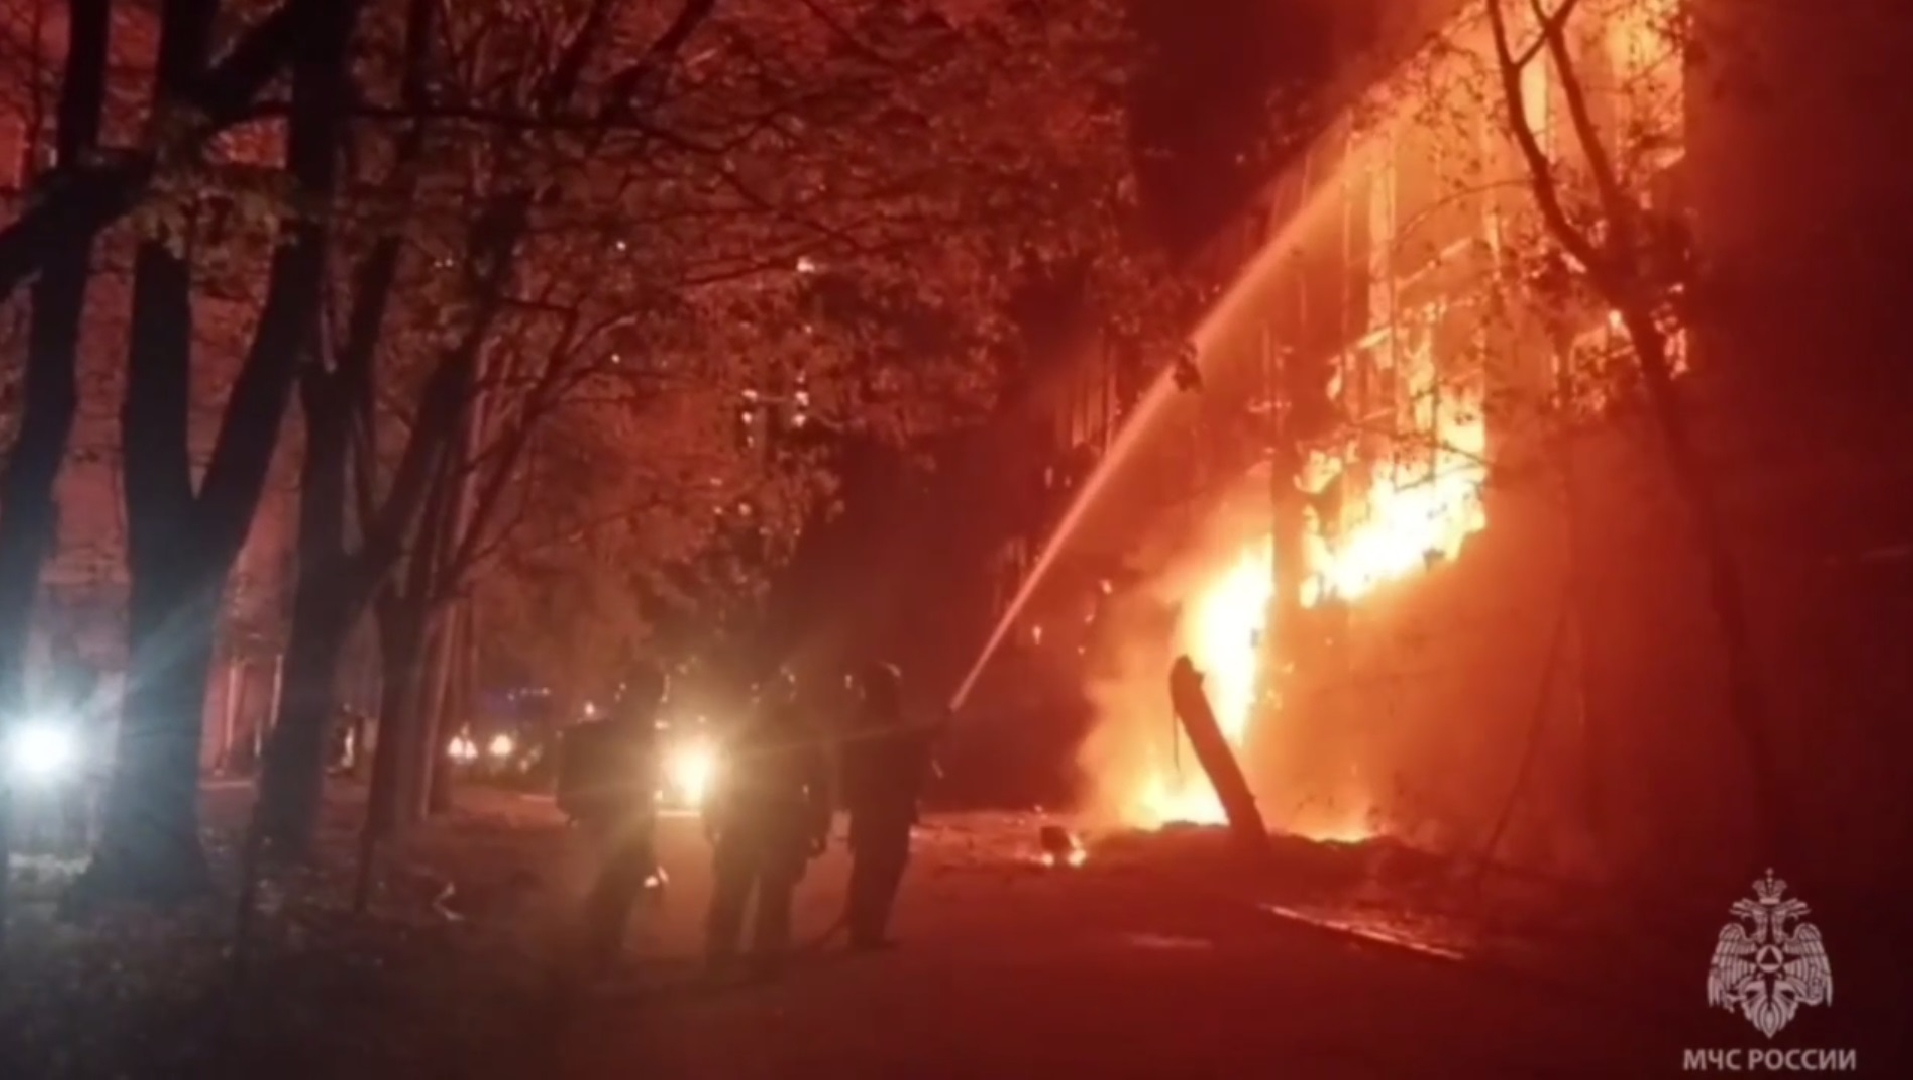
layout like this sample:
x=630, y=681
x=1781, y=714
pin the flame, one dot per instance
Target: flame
x=1414, y=510
x=1221, y=633
x=1418, y=506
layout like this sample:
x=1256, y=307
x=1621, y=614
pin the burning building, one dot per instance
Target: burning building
x=1425, y=544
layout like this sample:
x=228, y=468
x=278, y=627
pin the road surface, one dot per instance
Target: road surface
x=1008, y=970
x=1122, y=968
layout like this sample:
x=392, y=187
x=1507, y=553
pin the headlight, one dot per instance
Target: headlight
x=463, y=750
x=501, y=746
x=41, y=751
x=690, y=770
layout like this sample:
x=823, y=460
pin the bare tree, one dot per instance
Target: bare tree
x=216, y=97
x=590, y=203
x=50, y=392
x=183, y=537
x=1632, y=256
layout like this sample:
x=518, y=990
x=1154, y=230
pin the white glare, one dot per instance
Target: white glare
x=41, y=751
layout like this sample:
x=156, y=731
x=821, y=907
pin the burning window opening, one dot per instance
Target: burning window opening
x=1410, y=481
x=1402, y=514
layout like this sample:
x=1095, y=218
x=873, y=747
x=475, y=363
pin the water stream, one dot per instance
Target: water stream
x=1235, y=303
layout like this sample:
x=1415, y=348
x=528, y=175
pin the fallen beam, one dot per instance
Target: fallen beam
x=1216, y=757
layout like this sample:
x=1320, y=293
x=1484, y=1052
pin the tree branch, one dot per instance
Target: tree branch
x=539, y=404
x=1545, y=20
x=1544, y=183
x=642, y=81
x=1617, y=205
x=288, y=322
x=500, y=543
x=87, y=200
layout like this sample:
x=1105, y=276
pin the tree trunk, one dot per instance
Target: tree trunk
x=1615, y=267
x=393, y=773
x=386, y=798
x=29, y=519
x=293, y=784
x=461, y=668
x=429, y=752
x=443, y=708
x=294, y=780
x=182, y=542
x=1726, y=590
x=75, y=213
x=149, y=841
x=334, y=585
x=404, y=614
x=1591, y=744
x=450, y=532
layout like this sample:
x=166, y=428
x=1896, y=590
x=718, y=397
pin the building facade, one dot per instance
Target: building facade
x=1499, y=618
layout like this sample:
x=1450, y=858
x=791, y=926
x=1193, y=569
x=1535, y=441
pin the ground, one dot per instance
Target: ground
x=1014, y=971
x=1159, y=957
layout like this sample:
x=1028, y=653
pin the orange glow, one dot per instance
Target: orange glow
x=1070, y=860
x=1409, y=476
x=1415, y=510
x=1220, y=632
x=1418, y=508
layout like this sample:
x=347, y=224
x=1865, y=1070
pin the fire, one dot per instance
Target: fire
x=1413, y=511
x=1418, y=505
x=1221, y=632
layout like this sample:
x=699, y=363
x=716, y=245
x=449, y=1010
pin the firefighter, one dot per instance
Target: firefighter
x=617, y=808
x=768, y=818
x=885, y=763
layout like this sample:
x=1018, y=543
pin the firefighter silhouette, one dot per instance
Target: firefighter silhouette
x=608, y=785
x=885, y=762
x=768, y=817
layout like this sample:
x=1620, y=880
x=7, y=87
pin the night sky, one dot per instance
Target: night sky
x=1206, y=109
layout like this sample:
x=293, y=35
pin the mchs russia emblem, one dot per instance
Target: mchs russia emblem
x=1771, y=961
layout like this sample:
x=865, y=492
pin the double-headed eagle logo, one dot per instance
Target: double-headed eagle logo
x=1771, y=962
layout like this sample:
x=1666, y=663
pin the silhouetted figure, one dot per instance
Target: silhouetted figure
x=885, y=764
x=768, y=817
x=340, y=744
x=608, y=785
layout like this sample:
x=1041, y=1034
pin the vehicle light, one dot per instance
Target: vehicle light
x=39, y=751
x=690, y=770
